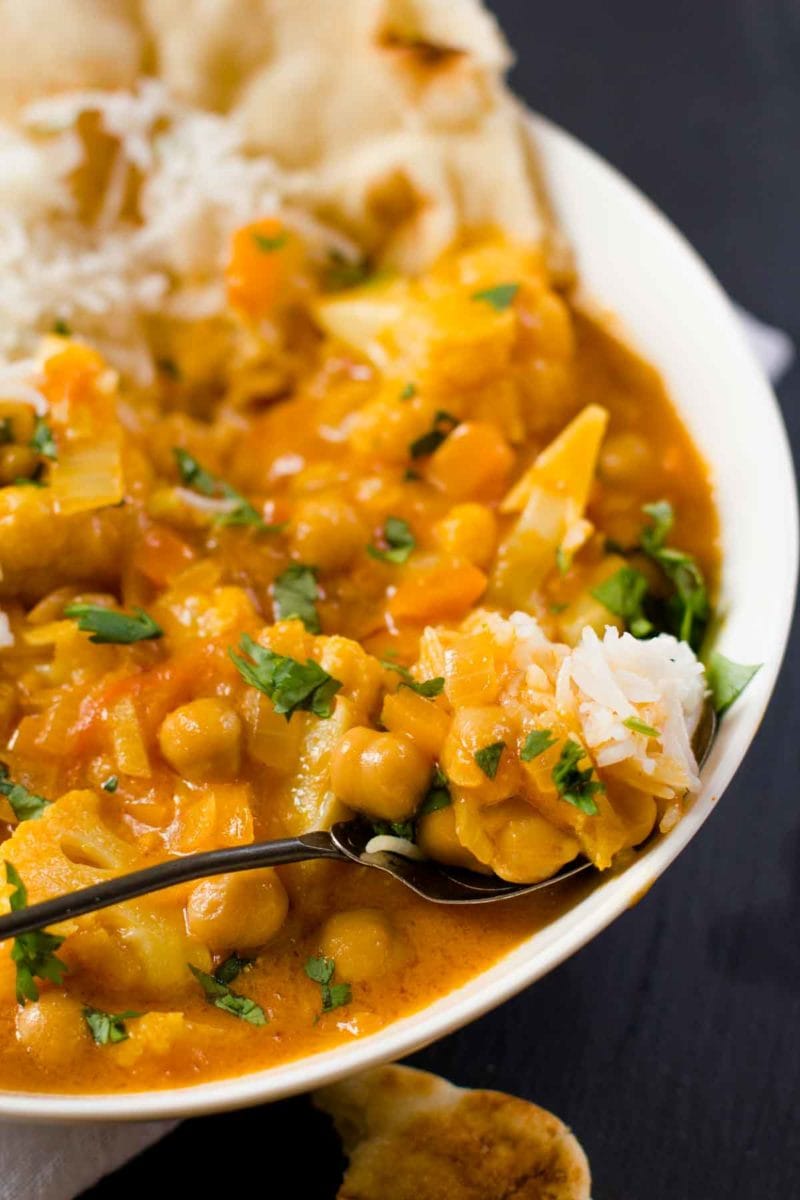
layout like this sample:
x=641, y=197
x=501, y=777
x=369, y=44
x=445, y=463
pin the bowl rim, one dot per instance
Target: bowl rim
x=569, y=932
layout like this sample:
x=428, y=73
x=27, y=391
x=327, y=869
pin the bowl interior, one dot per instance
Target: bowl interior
x=634, y=264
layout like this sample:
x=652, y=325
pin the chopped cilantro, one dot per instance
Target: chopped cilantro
x=343, y=273
x=108, y=626
x=42, y=440
x=334, y=995
x=400, y=829
x=640, y=727
x=26, y=806
x=168, y=367
x=34, y=954
x=399, y=539
x=623, y=594
x=409, y=391
x=443, y=424
x=194, y=476
x=294, y=592
x=537, y=741
x=268, y=245
x=438, y=795
x=428, y=688
x=111, y=784
x=500, y=297
x=727, y=680
x=575, y=786
x=61, y=328
x=107, y=1028
x=224, y=998
x=232, y=967
x=688, y=609
x=292, y=686
x=488, y=758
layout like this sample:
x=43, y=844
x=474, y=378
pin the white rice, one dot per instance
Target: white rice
x=658, y=682
x=198, y=185
x=385, y=843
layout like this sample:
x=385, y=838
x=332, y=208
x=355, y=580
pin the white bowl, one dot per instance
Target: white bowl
x=635, y=264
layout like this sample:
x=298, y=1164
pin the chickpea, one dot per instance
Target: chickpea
x=327, y=532
x=52, y=1030
x=437, y=839
x=468, y=531
x=383, y=775
x=202, y=739
x=626, y=458
x=237, y=912
x=360, y=942
x=16, y=462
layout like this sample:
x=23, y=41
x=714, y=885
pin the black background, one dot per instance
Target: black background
x=671, y=1044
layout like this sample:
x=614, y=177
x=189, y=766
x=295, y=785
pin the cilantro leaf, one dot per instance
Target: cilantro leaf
x=111, y=784
x=108, y=626
x=107, y=1028
x=168, y=367
x=409, y=391
x=688, y=609
x=320, y=970
x=443, y=424
x=224, y=998
x=294, y=593
x=42, y=440
x=640, y=727
x=26, y=806
x=34, y=954
x=488, y=758
x=438, y=795
x=292, y=686
x=334, y=995
x=537, y=741
x=268, y=245
x=343, y=273
x=61, y=327
x=727, y=680
x=654, y=536
x=427, y=688
x=575, y=786
x=623, y=594
x=196, y=477
x=500, y=297
x=400, y=541
x=400, y=829
x=233, y=966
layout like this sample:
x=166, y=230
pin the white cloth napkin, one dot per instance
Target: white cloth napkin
x=57, y=1162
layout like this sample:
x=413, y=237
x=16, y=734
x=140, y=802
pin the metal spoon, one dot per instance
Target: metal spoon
x=346, y=842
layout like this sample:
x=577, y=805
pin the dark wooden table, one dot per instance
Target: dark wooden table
x=671, y=1044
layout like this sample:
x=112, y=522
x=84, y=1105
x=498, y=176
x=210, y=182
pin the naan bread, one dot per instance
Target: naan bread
x=395, y=109
x=391, y=118
x=47, y=48
x=410, y=1135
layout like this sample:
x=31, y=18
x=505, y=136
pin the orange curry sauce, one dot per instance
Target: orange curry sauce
x=317, y=442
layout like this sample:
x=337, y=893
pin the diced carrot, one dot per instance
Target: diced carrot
x=441, y=594
x=474, y=462
x=264, y=258
x=404, y=711
x=161, y=555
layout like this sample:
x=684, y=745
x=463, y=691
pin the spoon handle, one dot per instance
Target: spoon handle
x=166, y=874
